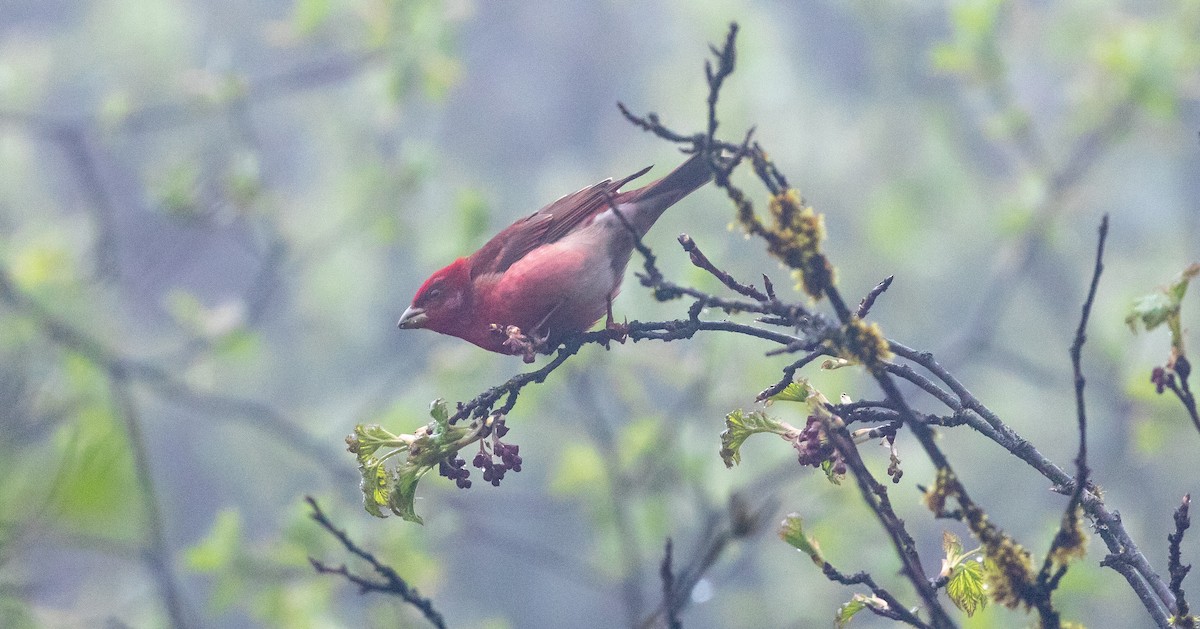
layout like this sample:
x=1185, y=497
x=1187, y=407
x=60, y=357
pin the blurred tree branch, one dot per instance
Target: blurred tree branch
x=741, y=518
x=186, y=111
x=158, y=552
x=161, y=380
x=92, y=156
x=1060, y=177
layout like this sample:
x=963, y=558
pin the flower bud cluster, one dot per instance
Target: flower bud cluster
x=813, y=447
x=455, y=468
x=1164, y=377
x=495, y=458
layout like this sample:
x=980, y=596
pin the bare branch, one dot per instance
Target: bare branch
x=1179, y=386
x=895, y=610
x=865, y=305
x=701, y=261
x=1124, y=565
x=1175, y=567
x=392, y=583
x=789, y=372
x=1069, y=535
x=875, y=494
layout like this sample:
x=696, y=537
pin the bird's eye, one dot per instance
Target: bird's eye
x=435, y=292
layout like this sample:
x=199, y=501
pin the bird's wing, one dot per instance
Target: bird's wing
x=545, y=226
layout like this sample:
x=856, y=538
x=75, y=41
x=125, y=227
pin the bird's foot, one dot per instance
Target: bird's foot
x=616, y=331
x=520, y=344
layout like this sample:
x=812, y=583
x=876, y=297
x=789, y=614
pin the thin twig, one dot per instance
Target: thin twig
x=1142, y=575
x=1176, y=568
x=726, y=60
x=739, y=520
x=649, y=260
x=865, y=305
x=392, y=583
x=1182, y=390
x=1068, y=534
x=701, y=261
x=668, y=587
x=789, y=373
x=895, y=610
x=876, y=496
x=485, y=403
x=650, y=123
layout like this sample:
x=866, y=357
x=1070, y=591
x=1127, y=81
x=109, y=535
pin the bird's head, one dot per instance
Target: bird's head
x=442, y=303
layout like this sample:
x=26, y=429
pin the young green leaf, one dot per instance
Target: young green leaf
x=404, y=492
x=792, y=532
x=860, y=602
x=374, y=486
x=964, y=571
x=966, y=587
x=422, y=450
x=1163, y=306
x=739, y=426
x=1151, y=310
x=794, y=392
x=952, y=547
x=842, y=617
x=367, y=438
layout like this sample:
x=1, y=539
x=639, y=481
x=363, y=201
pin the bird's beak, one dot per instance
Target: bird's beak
x=412, y=318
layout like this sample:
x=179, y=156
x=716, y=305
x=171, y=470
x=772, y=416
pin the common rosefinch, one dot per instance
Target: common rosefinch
x=552, y=273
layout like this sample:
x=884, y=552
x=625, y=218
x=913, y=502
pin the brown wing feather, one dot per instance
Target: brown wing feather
x=545, y=226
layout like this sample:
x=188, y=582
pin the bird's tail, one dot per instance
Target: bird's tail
x=644, y=205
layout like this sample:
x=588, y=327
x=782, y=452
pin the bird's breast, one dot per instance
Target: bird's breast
x=564, y=286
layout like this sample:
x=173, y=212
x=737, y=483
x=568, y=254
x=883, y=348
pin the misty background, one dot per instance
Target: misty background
x=213, y=212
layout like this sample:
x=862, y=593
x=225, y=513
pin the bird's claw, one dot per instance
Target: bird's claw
x=518, y=343
x=618, y=332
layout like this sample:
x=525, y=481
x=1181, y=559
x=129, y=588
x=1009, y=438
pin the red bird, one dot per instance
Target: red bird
x=553, y=273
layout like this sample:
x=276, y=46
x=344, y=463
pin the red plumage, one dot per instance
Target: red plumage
x=552, y=273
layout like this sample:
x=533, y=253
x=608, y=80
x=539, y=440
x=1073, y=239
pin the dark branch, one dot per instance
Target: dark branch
x=875, y=495
x=895, y=610
x=1124, y=564
x=1141, y=575
x=726, y=57
x=789, y=373
x=1069, y=535
x=1175, y=567
x=701, y=261
x=649, y=260
x=1179, y=386
x=651, y=124
x=392, y=584
x=865, y=305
